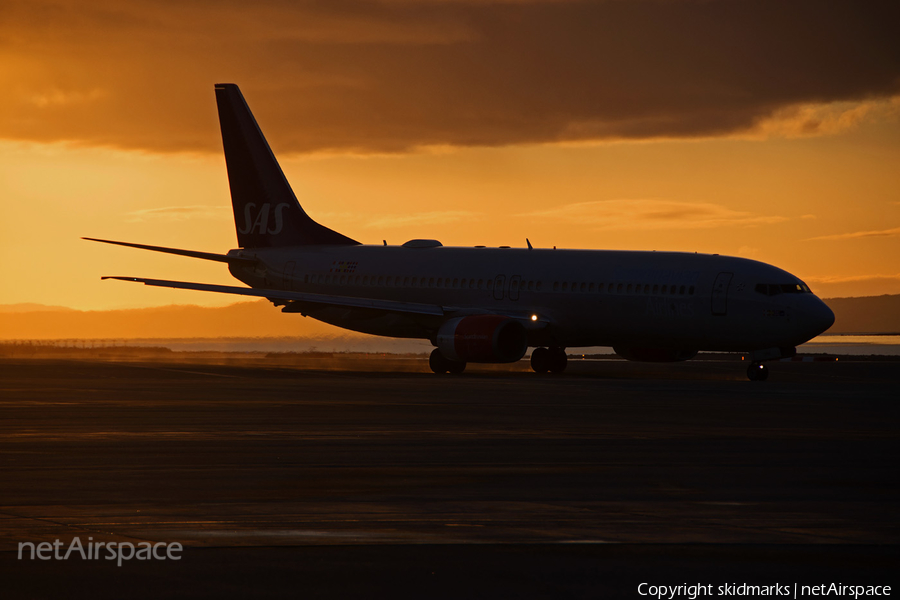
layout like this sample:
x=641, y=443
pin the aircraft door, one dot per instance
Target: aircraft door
x=287, y=281
x=499, y=283
x=514, y=283
x=720, y=293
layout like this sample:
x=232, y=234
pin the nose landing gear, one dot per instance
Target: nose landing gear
x=757, y=372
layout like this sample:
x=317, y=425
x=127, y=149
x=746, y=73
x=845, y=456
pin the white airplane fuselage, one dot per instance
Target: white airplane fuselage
x=624, y=299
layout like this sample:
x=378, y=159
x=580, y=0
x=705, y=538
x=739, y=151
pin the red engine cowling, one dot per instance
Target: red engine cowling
x=482, y=338
x=655, y=354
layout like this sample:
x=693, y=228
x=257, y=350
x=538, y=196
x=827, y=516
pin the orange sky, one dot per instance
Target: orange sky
x=767, y=129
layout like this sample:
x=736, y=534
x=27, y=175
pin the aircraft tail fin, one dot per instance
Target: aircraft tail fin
x=266, y=211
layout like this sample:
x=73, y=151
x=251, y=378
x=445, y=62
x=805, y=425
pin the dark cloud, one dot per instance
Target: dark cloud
x=391, y=76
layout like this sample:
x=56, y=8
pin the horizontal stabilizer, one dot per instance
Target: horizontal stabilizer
x=232, y=260
x=325, y=299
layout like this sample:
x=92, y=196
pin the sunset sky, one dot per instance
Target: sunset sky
x=763, y=129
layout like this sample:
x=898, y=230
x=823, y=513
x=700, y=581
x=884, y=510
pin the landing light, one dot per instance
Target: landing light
x=534, y=317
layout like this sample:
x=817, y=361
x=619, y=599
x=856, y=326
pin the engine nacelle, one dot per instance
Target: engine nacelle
x=655, y=354
x=482, y=339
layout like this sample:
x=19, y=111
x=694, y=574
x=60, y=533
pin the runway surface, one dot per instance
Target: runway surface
x=374, y=475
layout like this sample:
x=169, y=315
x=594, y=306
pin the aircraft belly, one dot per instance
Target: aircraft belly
x=375, y=322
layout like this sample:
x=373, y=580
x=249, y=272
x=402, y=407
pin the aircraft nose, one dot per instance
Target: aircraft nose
x=821, y=317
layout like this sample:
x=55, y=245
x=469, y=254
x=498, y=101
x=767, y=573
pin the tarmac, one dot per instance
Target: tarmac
x=344, y=477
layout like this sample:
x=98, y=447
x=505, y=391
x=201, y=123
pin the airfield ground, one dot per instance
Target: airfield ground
x=369, y=477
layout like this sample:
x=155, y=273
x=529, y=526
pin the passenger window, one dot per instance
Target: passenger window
x=662, y=290
x=646, y=288
x=462, y=283
x=555, y=286
x=455, y=282
x=619, y=289
x=681, y=291
x=574, y=286
x=628, y=289
x=655, y=288
x=431, y=282
x=691, y=291
x=591, y=287
x=584, y=286
x=480, y=283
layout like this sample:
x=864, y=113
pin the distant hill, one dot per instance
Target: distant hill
x=872, y=314
x=243, y=319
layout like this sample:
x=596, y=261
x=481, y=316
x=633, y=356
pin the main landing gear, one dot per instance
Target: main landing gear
x=757, y=372
x=542, y=360
x=440, y=364
x=549, y=359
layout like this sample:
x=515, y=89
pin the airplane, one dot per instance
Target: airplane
x=490, y=305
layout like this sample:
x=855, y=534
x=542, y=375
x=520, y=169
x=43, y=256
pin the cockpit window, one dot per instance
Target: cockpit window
x=773, y=289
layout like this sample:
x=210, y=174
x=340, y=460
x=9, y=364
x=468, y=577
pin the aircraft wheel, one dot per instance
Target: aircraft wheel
x=456, y=366
x=437, y=362
x=757, y=372
x=558, y=360
x=540, y=360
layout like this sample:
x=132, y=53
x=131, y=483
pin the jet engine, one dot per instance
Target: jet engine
x=482, y=339
x=655, y=354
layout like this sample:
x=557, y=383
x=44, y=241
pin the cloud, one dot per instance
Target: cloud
x=56, y=97
x=651, y=213
x=855, y=285
x=176, y=213
x=854, y=279
x=389, y=76
x=427, y=218
x=807, y=120
x=894, y=232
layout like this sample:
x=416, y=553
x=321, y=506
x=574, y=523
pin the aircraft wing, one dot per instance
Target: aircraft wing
x=325, y=299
